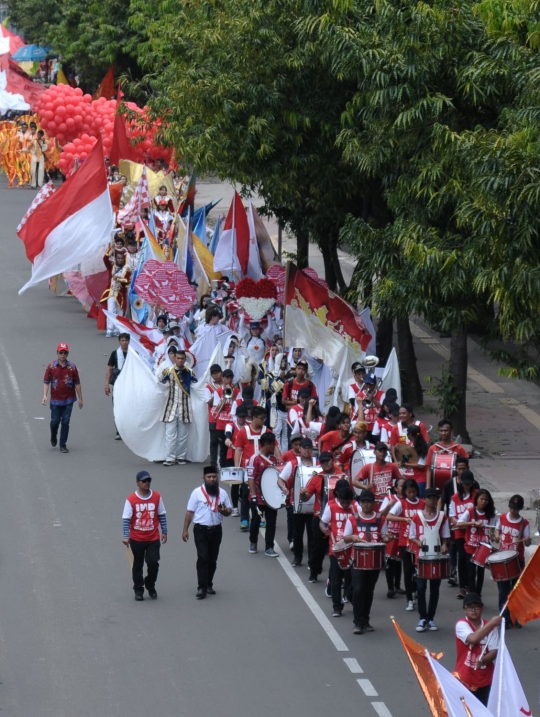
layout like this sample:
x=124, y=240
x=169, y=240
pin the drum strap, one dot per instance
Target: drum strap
x=431, y=531
x=368, y=527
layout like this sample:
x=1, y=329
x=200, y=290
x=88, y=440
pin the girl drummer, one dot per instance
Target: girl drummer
x=417, y=469
x=476, y=521
x=393, y=556
x=402, y=513
x=460, y=502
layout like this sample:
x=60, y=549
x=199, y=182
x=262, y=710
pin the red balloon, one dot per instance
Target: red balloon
x=61, y=138
x=87, y=98
x=62, y=127
x=70, y=122
x=61, y=111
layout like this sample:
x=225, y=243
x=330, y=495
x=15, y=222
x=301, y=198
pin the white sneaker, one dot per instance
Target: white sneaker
x=235, y=513
x=180, y=462
x=422, y=625
x=432, y=626
x=410, y=606
x=291, y=545
x=109, y=335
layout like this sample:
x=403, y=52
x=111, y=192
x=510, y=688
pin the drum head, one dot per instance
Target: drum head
x=502, y=556
x=296, y=491
x=271, y=492
x=358, y=461
x=325, y=494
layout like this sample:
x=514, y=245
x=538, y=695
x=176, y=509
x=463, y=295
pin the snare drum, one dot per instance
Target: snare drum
x=302, y=477
x=392, y=550
x=272, y=494
x=481, y=554
x=443, y=468
x=433, y=567
x=368, y=556
x=232, y=476
x=504, y=565
x=342, y=552
x=360, y=458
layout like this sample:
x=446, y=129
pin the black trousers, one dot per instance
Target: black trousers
x=482, y=694
x=270, y=515
x=319, y=547
x=223, y=449
x=301, y=522
x=462, y=563
x=337, y=577
x=475, y=579
x=142, y=551
x=393, y=574
x=363, y=582
x=407, y=560
x=290, y=523
x=214, y=444
x=207, y=542
x=425, y=610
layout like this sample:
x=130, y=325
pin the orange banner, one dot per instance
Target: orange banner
x=524, y=600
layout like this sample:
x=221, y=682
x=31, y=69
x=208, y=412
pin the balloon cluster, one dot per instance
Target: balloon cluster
x=75, y=121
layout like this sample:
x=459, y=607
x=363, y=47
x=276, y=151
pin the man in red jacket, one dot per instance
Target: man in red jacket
x=144, y=514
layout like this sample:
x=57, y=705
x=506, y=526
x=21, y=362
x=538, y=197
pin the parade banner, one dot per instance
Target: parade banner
x=321, y=322
x=506, y=698
x=459, y=701
x=524, y=600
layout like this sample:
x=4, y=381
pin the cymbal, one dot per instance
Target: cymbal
x=405, y=453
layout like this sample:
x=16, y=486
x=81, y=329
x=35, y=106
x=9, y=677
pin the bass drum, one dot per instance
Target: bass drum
x=360, y=458
x=302, y=476
x=272, y=494
x=443, y=468
x=329, y=483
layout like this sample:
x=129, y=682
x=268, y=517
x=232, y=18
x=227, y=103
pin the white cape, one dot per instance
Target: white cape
x=139, y=404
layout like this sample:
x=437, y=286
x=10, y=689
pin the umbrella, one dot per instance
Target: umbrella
x=31, y=53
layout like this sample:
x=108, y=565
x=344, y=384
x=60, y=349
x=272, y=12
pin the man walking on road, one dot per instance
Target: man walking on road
x=143, y=515
x=114, y=366
x=207, y=506
x=63, y=378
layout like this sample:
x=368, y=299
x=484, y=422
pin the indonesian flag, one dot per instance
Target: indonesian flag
x=321, y=322
x=71, y=224
x=144, y=339
x=507, y=698
x=232, y=253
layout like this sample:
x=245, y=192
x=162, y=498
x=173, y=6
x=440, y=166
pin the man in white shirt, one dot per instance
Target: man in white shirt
x=207, y=506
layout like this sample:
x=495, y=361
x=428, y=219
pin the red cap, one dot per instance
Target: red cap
x=62, y=347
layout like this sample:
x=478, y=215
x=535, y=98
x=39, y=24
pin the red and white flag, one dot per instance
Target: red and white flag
x=321, y=322
x=72, y=224
x=141, y=336
x=507, y=698
x=140, y=199
x=232, y=253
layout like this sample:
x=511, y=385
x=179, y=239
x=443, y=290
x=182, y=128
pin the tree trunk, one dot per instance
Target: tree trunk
x=332, y=269
x=411, y=387
x=459, y=362
x=385, y=339
x=302, y=249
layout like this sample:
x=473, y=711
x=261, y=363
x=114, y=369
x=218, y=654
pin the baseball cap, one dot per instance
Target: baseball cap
x=302, y=362
x=366, y=495
x=62, y=347
x=357, y=367
x=430, y=492
x=296, y=437
x=472, y=599
x=173, y=324
x=516, y=501
x=306, y=443
x=381, y=447
x=467, y=477
x=143, y=475
x=325, y=456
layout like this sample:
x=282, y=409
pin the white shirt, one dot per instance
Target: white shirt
x=203, y=514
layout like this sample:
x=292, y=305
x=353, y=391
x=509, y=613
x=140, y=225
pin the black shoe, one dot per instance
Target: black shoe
x=400, y=591
x=201, y=594
x=368, y=628
x=313, y=579
x=54, y=442
x=152, y=592
x=296, y=563
x=210, y=591
x=118, y=437
x=63, y=449
x=139, y=597
x=358, y=630
x=391, y=594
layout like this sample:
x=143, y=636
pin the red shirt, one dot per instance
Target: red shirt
x=291, y=388
x=315, y=487
x=370, y=414
x=333, y=442
x=255, y=467
x=290, y=455
x=437, y=448
x=406, y=509
x=62, y=380
x=467, y=657
x=338, y=520
x=512, y=532
x=248, y=442
x=473, y=535
x=144, y=524
x=369, y=530
x=457, y=507
x=382, y=477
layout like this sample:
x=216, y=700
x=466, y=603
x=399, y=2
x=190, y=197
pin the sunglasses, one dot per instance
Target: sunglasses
x=63, y=352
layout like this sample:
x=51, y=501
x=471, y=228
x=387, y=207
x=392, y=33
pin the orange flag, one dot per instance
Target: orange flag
x=524, y=600
x=106, y=88
x=424, y=673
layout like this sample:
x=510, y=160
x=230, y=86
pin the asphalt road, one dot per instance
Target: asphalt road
x=74, y=643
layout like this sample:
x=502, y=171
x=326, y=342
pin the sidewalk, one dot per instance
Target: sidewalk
x=503, y=415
